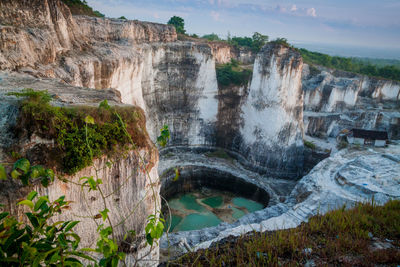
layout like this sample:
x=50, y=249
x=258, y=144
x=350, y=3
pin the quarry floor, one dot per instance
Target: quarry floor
x=347, y=177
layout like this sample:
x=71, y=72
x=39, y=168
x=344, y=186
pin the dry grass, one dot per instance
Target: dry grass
x=342, y=237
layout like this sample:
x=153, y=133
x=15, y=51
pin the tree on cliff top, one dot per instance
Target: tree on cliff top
x=178, y=23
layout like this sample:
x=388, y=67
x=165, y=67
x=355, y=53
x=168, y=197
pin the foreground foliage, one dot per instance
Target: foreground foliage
x=341, y=237
x=39, y=239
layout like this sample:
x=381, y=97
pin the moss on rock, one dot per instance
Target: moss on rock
x=76, y=141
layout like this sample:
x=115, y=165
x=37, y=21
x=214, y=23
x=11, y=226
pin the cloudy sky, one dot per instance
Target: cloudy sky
x=369, y=23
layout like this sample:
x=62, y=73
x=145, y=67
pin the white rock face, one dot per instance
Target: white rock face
x=127, y=186
x=337, y=100
x=272, y=128
x=327, y=91
x=129, y=197
x=179, y=88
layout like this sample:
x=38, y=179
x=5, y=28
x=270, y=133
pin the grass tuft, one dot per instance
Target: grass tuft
x=310, y=145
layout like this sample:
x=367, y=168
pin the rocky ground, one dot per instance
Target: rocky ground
x=350, y=176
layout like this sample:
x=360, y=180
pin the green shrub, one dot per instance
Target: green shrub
x=211, y=37
x=282, y=41
x=81, y=7
x=77, y=141
x=232, y=74
x=254, y=43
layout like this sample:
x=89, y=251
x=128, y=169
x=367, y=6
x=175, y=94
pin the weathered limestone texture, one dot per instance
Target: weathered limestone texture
x=131, y=184
x=337, y=100
x=173, y=82
x=272, y=130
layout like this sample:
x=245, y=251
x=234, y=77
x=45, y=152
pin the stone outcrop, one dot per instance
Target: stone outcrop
x=337, y=100
x=125, y=183
x=35, y=34
x=271, y=135
x=328, y=90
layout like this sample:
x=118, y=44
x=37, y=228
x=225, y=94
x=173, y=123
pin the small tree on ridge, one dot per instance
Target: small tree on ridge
x=178, y=23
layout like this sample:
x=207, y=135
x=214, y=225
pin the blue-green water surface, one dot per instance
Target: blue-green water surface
x=207, y=208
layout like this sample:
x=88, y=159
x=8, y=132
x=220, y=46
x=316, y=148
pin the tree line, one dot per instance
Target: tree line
x=391, y=72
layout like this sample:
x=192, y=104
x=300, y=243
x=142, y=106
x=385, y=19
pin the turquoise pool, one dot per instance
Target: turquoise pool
x=206, y=208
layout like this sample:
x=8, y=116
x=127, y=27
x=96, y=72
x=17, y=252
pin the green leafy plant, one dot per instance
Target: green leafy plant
x=62, y=249
x=164, y=137
x=42, y=242
x=310, y=144
x=154, y=228
x=23, y=171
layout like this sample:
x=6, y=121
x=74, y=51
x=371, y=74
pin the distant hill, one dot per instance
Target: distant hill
x=381, y=68
x=379, y=62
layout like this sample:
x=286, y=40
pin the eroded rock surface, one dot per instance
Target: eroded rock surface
x=348, y=177
x=337, y=100
x=271, y=136
x=173, y=82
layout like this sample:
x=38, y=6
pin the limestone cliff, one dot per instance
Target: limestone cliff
x=272, y=129
x=335, y=100
x=35, y=34
x=173, y=82
x=127, y=187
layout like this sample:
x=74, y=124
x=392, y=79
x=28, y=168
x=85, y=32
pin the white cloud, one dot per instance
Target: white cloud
x=293, y=8
x=215, y=15
x=311, y=12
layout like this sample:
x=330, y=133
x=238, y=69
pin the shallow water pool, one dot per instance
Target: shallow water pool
x=207, y=208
